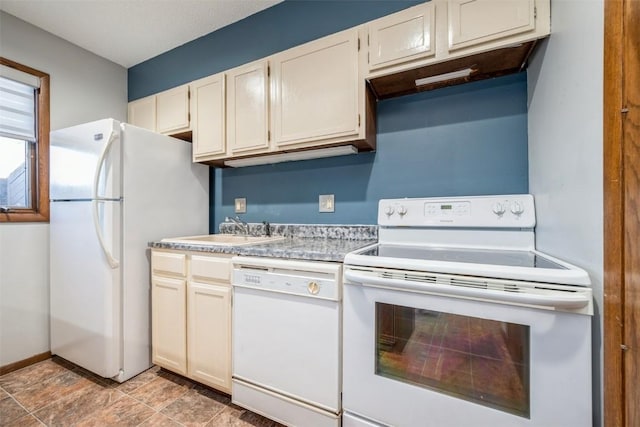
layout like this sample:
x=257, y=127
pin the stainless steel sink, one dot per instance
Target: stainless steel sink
x=223, y=239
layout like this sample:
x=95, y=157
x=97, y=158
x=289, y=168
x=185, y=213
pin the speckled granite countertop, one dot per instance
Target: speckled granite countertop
x=301, y=241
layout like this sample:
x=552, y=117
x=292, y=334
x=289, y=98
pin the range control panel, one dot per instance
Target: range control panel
x=506, y=211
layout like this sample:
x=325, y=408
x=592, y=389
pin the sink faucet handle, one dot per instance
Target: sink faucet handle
x=267, y=228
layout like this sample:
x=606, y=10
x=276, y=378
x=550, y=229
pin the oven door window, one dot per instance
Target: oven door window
x=479, y=360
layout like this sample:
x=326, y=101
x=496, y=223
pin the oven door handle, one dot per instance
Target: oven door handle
x=570, y=301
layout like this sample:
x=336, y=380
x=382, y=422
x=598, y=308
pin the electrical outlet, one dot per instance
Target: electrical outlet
x=241, y=205
x=326, y=203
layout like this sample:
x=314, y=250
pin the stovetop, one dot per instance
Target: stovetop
x=482, y=236
x=510, y=258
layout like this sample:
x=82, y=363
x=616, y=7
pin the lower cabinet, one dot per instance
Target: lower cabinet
x=191, y=316
x=209, y=334
x=168, y=320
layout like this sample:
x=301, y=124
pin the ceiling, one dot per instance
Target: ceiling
x=128, y=32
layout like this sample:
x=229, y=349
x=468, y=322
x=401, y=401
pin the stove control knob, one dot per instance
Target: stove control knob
x=402, y=211
x=313, y=288
x=389, y=210
x=517, y=208
x=498, y=209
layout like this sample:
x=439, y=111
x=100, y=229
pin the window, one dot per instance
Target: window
x=24, y=143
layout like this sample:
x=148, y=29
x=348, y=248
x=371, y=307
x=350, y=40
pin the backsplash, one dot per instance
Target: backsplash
x=306, y=231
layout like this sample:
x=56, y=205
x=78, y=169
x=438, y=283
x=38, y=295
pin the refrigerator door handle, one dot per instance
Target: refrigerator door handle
x=114, y=263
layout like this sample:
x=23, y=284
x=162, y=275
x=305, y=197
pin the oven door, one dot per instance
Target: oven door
x=417, y=359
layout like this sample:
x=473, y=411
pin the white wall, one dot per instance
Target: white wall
x=84, y=87
x=565, y=148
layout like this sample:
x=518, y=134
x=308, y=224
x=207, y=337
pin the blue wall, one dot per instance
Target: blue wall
x=287, y=24
x=462, y=140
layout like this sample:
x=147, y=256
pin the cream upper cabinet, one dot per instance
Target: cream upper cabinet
x=167, y=112
x=323, y=93
x=472, y=22
x=315, y=91
x=404, y=36
x=470, y=40
x=209, y=113
x=142, y=113
x=172, y=110
x=247, y=109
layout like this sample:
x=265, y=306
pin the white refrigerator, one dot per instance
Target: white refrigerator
x=113, y=188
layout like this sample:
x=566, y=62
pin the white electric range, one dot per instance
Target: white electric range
x=454, y=319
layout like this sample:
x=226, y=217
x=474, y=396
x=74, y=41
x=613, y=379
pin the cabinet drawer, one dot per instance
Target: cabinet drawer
x=212, y=268
x=169, y=263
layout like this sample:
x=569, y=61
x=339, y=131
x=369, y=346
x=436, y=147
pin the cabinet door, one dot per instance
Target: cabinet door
x=472, y=22
x=168, y=323
x=142, y=113
x=315, y=90
x=209, y=117
x=247, y=103
x=404, y=36
x=172, y=110
x=209, y=326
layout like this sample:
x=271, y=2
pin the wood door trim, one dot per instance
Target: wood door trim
x=631, y=225
x=613, y=206
x=621, y=154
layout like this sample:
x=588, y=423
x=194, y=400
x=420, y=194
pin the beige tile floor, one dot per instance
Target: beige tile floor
x=55, y=392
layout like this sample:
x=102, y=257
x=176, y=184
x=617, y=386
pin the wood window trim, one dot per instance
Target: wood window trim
x=40, y=191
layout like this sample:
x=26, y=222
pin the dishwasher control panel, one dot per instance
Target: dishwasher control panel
x=307, y=283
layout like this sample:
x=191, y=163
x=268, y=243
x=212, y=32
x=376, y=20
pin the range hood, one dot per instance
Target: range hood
x=495, y=63
x=291, y=156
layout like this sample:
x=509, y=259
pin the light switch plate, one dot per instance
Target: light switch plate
x=241, y=205
x=326, y=203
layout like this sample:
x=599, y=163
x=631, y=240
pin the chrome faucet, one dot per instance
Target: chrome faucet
x=239, y=223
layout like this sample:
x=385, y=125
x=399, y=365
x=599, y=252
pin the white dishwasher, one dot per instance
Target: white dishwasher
x=287, y=323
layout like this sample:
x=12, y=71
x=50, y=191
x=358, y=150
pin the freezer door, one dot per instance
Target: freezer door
x=85, y=161
x=85, y=289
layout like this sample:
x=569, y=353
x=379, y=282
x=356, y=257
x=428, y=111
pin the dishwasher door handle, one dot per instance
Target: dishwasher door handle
x=312, y=289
